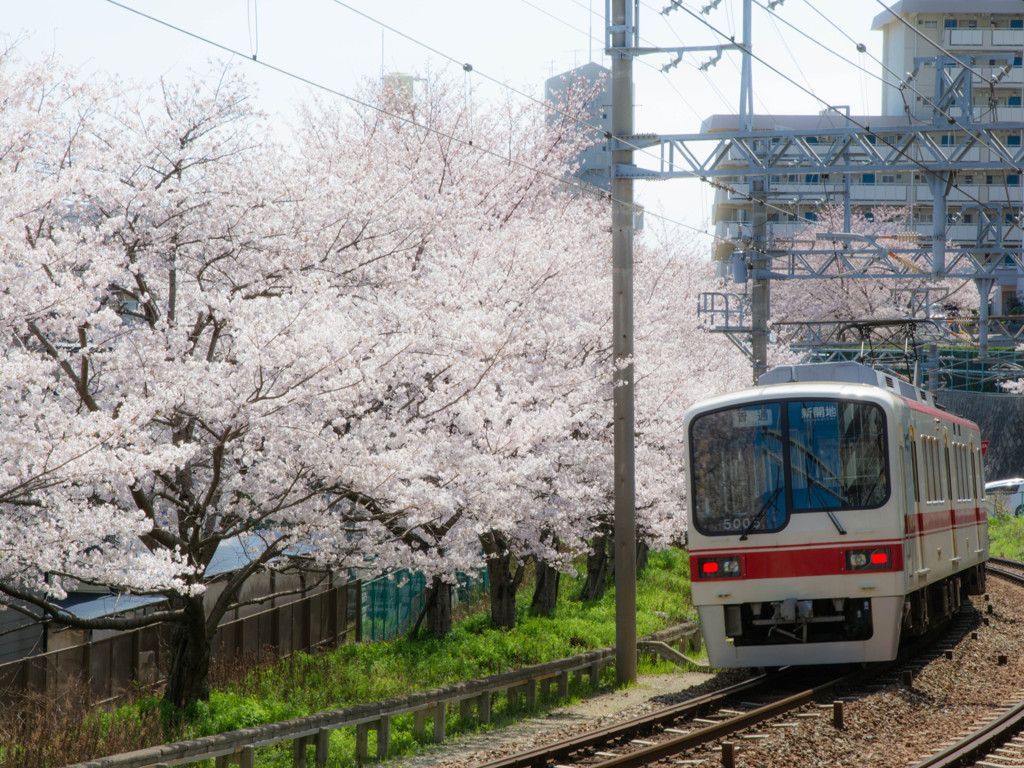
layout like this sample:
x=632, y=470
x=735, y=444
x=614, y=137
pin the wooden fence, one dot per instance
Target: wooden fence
x=102, y=669
x=314, y=730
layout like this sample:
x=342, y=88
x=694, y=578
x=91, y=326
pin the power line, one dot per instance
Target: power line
x=931, y=42
x=832, y=108
x=359, y=102
x=900, y=82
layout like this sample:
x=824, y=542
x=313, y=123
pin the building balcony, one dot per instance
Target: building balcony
x=1009, y=38
x=972, y=38
x=997, y=193
x=984, y=38
x=873, y=194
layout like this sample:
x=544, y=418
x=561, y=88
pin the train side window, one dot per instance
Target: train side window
x=913, y=470
x=981, y=473
x=929, y=469
x=957, y=474
x=949, y=475
x=968, y=493
x=974, y=479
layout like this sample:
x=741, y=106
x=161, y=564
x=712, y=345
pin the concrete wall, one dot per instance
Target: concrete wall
x=1001, y=419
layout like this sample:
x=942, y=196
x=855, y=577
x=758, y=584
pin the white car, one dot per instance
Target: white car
x=1011, y=492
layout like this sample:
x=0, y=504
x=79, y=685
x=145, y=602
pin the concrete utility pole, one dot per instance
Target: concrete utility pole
x=621, y=28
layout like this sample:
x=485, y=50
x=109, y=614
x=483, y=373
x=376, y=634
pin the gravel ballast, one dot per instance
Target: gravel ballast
x=890, y=725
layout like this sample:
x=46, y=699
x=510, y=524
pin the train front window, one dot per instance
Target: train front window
x=738, y=470
x=837, y=455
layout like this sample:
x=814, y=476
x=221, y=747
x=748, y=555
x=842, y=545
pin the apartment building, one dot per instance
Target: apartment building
x=942, y=59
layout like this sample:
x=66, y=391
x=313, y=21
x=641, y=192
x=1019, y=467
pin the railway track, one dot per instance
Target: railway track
x=998, y=743
x=725, y=719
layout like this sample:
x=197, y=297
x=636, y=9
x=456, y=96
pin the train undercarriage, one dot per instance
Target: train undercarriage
x=831, y=620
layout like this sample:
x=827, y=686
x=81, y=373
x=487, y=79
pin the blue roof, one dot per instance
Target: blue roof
x=231, y=555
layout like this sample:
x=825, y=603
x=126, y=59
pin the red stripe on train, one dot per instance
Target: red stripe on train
x=793, y=563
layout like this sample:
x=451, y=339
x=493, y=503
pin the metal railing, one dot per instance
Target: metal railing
x=314, y=730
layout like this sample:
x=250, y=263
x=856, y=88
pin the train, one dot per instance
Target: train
x=833, y=510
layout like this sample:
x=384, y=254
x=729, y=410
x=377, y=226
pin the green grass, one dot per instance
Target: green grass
x=1006, y=536
x=352, y=674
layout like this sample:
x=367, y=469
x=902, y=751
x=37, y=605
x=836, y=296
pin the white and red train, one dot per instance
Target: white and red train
x=832, y=509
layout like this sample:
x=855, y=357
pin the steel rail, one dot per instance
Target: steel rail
x=559, y=749
x=1015, y=576
x=1006, y=561
x=999, y=731
x=674, y=746
x=979, y=743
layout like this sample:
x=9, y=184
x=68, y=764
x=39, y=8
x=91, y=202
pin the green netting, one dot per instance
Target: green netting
x=392, y=603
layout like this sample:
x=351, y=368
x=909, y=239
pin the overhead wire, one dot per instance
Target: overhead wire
x=930, y=42
x=545, y=105
x=903, y=84
x=343, y=95
x=647, y=64
x=900, y=82
x=359, y=102
x=849, y=118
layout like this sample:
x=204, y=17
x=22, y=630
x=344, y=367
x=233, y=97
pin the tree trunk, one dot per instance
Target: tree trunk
x=439, y=608
x=597, y=569
x=545, y=592
x=504, y=583
x=188, y=674
x=503, y=591
x=642, y=551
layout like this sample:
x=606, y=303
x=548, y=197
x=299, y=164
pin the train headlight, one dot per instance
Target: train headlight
x=719, y=567
x=877, y=559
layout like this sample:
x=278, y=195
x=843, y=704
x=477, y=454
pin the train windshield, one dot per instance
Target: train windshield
x=739, y=475
x=752, y=466
x=837, y=454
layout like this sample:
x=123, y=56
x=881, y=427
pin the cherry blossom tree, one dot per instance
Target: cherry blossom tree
x=185, y=364
x=507, y=295
x=384, y=344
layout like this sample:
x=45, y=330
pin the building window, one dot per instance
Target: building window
x=1013, y=141
x=1016, y=23
x=1012, y=180
x=811, y=178
x=867, y=178
x=810, y=216
x=949, y=23
x=1013, y=101
x=930, y=24
x=888, y=178
x=968, y=178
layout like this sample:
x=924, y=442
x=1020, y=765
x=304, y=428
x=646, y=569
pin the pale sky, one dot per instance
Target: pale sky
x=339, y=44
